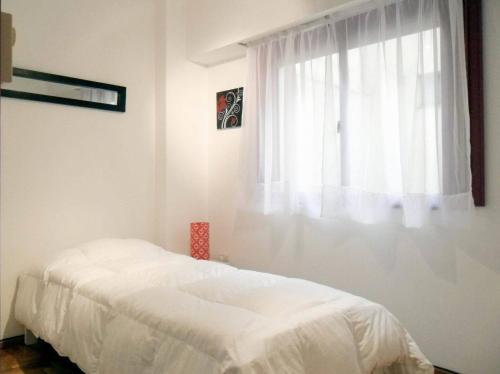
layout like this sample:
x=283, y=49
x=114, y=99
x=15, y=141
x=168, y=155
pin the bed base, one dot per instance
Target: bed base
x=29, y=337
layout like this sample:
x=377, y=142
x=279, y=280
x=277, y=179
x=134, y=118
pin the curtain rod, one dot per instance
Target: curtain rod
x=327, y=14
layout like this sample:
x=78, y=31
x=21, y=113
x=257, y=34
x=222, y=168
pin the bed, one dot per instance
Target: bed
x=128, y=306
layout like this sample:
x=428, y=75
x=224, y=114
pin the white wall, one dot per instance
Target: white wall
x=443, y=286
x=218, y=27
x=183, y=193
x=223, y=160
x=72, y=174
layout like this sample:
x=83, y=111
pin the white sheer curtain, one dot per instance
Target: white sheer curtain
x=363, y=113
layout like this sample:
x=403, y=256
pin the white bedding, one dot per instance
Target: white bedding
x=127, y=306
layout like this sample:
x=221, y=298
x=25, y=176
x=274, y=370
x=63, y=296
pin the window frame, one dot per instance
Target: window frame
x=473, y=37
x=472, y=15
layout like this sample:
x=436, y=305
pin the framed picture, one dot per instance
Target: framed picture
x=229, y=108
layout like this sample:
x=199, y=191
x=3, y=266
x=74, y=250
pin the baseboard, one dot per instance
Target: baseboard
x=440, y=370
x=9, y=342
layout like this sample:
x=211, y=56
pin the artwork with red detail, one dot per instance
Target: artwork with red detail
x=229, y=108
x=200, y=240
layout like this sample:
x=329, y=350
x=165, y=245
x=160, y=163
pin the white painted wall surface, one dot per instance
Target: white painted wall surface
x=443, y=285
x=216, y=28
x=184, y=191
x=71, y=174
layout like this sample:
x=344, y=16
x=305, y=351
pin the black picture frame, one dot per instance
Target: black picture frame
x=229, y=105
x=37, y=75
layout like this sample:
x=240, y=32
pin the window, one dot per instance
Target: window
x=363, y=111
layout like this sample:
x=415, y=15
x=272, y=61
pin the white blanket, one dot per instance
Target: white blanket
x=127, y=306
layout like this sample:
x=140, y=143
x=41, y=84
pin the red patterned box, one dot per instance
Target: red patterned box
x=200, y=240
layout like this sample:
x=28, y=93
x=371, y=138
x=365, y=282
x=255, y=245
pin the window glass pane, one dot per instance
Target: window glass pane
x=386, y=80
x=393, y=91
x=316, y=116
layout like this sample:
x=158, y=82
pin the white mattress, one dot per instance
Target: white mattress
x=127, y=306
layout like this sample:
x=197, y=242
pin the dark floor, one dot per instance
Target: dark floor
x=34, y=359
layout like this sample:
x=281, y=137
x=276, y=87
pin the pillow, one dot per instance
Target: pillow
x=110, y=249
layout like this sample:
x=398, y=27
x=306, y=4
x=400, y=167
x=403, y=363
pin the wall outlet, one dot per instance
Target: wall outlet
x=222, y=258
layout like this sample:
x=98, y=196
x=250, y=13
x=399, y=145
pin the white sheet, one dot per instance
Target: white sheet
x=127, y=306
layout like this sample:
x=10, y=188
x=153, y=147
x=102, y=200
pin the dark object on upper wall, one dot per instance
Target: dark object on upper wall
x=60, y=89
x=229, y=108
x=474, y=58
x=7, y=39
